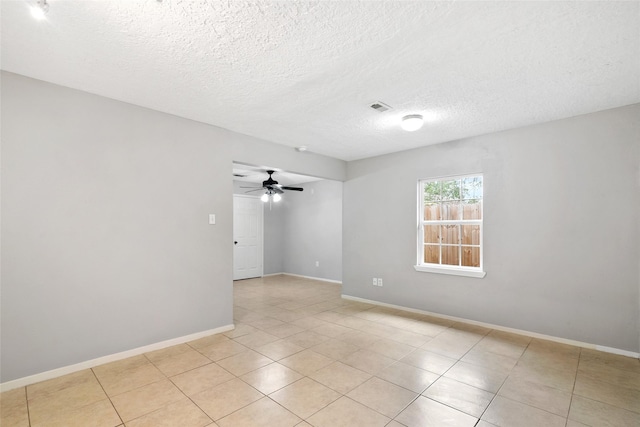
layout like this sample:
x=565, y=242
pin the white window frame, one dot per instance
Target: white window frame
x=421, y=266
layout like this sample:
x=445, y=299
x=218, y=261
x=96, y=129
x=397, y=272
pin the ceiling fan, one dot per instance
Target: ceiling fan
x=272, y=188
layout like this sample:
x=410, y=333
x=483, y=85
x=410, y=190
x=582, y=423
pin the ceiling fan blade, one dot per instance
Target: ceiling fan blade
x=277, y=189
x=250, y=187
x=251, y=191
x=292, y=188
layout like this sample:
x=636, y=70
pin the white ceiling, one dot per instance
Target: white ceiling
x=303, y=73
x=256, y=174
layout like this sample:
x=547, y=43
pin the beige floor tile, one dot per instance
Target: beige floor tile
x=490, y=360
x=359, y=338
x=13, y=408
x=168, y=352
x=382, y=396
x=226, y=398
x=540, y=396
x=141, y=401
x=288, y=315
x=263, y=413
x=610, y=374
x=183, y=413
x=368, y=361
x=556, y=378
x=410, y=338
x=544, y=346
x=571, y=423
x=356, y=323
x=265, y=323
x=201, y=378
x=306, y=362
x=207, y=341
x=57, y=384
x=279, y=349
x=335, y=349
x=256, y=339
x=331, y=317
x=182, y=362
x=331, y=330
x=394, y=423
x=122, y=376
x=425, y=412
x=622, y=397
x=592, y=413
x=285, y=330
x=407, y=376
x=451, y=344
x=429, y=361
x=501, y=346
x=463, y=397
x=305, y=397
x=506, y=412
x=392, y=349
x=548, y=360
x=98, y=414
x=346, y=412
x=73, y=396
x=477, y=376
x=271, y=377
x=340, y=377
x=308, y=322
x=307, y=339
x=244, y=362
x=613, y=360
x=222, y=350
x=240, y=330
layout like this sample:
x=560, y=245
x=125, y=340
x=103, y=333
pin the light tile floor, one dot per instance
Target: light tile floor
x=302, y=356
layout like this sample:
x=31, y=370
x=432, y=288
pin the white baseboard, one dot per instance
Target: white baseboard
x=502, y=328
x=312, y=278
x=54, y=373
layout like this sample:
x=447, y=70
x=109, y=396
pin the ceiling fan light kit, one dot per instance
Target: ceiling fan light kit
x=273, y=190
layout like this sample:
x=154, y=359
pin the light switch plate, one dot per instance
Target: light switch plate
x=212, y=218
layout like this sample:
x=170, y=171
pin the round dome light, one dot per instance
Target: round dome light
x=412, y=122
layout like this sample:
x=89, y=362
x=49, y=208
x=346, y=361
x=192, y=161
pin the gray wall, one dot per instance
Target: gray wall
x=561, y=229
x=105, y=240
x=313, y=230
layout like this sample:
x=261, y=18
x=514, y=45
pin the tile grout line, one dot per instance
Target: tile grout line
x=108, y=397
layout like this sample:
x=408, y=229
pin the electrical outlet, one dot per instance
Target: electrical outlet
x=375, y=281
x=380, y=281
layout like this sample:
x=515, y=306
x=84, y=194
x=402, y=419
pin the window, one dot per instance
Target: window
x=450, y=226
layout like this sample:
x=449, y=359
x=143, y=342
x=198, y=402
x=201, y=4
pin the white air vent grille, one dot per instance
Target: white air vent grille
x=380, y=107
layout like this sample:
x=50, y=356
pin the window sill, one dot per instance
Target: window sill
x=453, y=271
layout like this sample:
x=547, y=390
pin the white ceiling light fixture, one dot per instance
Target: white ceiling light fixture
x=277, y=198
x=265, y=197
x=301, y=149
x=40, y=9
x=412, y=122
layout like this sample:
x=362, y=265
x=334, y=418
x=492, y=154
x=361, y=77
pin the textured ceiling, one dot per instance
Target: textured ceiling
x=304, y=73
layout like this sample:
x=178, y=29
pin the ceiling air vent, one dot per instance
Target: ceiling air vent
x=380, y=107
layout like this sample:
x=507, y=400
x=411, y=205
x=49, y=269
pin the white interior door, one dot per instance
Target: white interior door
x=247, y=237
